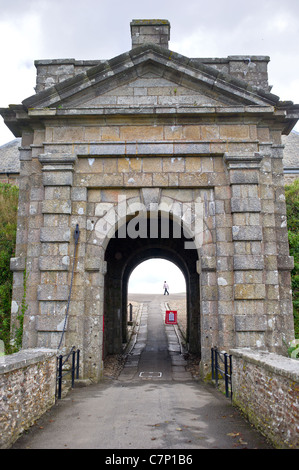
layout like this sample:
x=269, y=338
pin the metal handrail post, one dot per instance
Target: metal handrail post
x=78, y=356
x=59, y=376
x=217, y=358
x=73, y=368
x=231, y=373
x=216, y=366
x=131, y=312
x=226, y=374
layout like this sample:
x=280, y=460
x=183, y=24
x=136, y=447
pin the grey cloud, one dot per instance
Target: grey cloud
x=100, y=29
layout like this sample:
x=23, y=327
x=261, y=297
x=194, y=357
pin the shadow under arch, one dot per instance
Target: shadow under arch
x=123, y=255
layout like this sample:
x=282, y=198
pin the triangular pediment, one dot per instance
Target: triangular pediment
x=150, y=76
x=151, y=90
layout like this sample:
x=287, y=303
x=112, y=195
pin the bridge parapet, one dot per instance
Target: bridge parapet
x=266, y=389
x=27, y=390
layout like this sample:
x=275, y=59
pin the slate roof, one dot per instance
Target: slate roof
x=9, y=157
x=291, y=150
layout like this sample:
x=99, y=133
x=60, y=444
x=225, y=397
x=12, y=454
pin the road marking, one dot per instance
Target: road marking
x=150, y=374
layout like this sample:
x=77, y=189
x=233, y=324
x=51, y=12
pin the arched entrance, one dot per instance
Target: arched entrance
x=123, y=254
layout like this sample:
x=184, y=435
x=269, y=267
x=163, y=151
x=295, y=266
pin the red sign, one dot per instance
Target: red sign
x=171, y=317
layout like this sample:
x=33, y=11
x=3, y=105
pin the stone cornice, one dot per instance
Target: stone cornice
x=52, y=159
x=245, y=161
x=150, y=110
x=143, y=147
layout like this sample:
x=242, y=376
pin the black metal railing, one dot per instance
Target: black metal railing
x=64, y=367
x=130, y=321
x=222, y=366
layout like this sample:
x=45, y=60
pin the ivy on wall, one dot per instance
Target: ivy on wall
x=292, y=202
x=9, y=196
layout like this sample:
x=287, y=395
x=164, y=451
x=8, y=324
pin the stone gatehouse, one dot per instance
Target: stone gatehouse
x=152, y=154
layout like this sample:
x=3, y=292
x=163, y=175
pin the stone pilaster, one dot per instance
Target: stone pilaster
x=248, y=253
x=96, y=268
x=206, y=268
x=56, y=256
x=278, y=263
x=224, y=262
x=24, y=265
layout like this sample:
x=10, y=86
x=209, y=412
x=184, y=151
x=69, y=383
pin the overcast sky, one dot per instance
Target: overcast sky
x=100, y=29
x=146, y=278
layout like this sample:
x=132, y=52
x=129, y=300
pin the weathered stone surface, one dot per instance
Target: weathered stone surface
x=57, y=178
x=57, y=206
x=245, y=262
x=249, y=291
x=54, y=263
x=245, y=205
x=55, y=234
x=206, y=263
x=250, y=323
x=275, y=376
x=17, y=264
x=95, y=264
x=52, y=292
x=152, y=31
x=79, y=194
x=151, y=196
x=247, y=233
x=285, y=262
x=50, y=323
x=24, y=375
x=244, y=177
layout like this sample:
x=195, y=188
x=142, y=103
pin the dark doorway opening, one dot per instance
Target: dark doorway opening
x=123, y=254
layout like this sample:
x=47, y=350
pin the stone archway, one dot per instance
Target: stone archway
x=122, y=256
x=126, y=227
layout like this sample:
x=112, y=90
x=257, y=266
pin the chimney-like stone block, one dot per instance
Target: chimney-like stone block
x=150, y=32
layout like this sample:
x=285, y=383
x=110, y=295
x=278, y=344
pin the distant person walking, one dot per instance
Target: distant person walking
x=165, y=287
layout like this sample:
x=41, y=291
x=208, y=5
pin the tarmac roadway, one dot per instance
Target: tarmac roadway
x=155, y=404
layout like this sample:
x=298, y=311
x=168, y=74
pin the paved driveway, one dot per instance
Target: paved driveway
x=154, y=404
